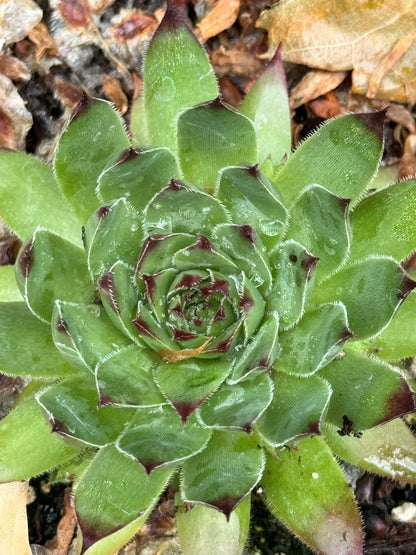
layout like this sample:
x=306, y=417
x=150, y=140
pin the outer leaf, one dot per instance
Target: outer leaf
x=319, y=221
x=365, y=391
x=26, y=343
x=201, y=522
x=84, y=334
x=297, y=408
x=314, y=341
x=266, y=104
x=112, y=493
x=211, y=136
x=321, y=509
x=371, y=291
x=398, y=340
x=50, y=268
x=252, y=199
x=30, y=196
x=138, y=121
x=73, y=411
x=137, y=175
x=174, y=82
x=94, y=138
x=9, y=291
x=383, y=223
x=157, y=437
x=27, y=446
x=113, y=233
x=223, y=473
x=388, y=450
x=352, y=144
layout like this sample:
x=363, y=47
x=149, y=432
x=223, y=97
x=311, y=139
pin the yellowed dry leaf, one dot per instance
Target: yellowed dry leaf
x=222, y=15
x=374, y=38
x=13, y=520
x=17, y=17
x=314, y=84
x=45, y=44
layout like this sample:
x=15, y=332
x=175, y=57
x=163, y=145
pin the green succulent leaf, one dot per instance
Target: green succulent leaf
x=289, y=416
x=202, y=522
x=174, y=82
x=212, y=136
x=321, y=508
x=252, y=199
x=94, y=139
x=203, y=253
x=50, y=268
x=319, y=221
x=188, y=383
x=388, y=450
x=371, y=291
x=188, y=217
x=114, y=492
x=159, y=250
x=73, y=410
x=266, y=104
x=27, y=446
x=366, y=392
x=383, y=223
x=342, y=156
x=238, y=405
x=113, y=233
x=398, y=340
x=84, y=334
x=126, y=378
x=30, y=197
x=138, y=122
x=137, y=176
x=27, y=348
x=143, y=440
x=224, y=472
x=314, y=341
x=293, y=271
x=9, y=291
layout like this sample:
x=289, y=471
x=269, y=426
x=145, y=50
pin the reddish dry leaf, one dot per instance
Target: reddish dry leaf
x=44, y=43
x=15, y=120
x=229, y=92
x=70, y=94
x=236, y=62
x=132, y=25
x=75, y=12
x=327, y=106
x=221, y=15
x=114, y=92
x=60, y=543
x=13, y=520
x=314, y=84
x=13, y=68
x=137, y=84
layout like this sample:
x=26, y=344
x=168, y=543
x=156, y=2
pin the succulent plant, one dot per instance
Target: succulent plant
x=207, y=309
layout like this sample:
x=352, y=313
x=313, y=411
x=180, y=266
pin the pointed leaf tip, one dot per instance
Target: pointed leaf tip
x=225, y=505
x=401, y=402
x=25, y=259
x=129, y=154
x=172, y=20
x=276, y=63
x=82, y=106
x=374, y=121
x=408, y=284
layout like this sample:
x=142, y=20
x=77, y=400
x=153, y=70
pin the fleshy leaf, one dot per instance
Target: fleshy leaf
x=151, y=332
x=126, y=492
x=321, y=509
x=203, y=254
x=314, y=341
x=223, y=473
x=267, y=105
x=126, y=378
x=27, y=446
x=352, y=144
x=188, y=383
x=156, y=436
x=50, y=268
x=388, y=450
x=73, y=410
x=174, y=82
x=238, y=405
x=319, y=221
x=113, y=233
x=195, y=211
x=159, y=250
x=212, y=136
x=93, y=139
x=371, y=291
x=296, y=409
x=84, y=334
x=253, y=200
x=398, y=340
x=200, y=522
x=26, y=343
x=383, y=223
x=366, y=392
x=137, y=176
x=9, y=291
x=30, y=197
x=293, y=270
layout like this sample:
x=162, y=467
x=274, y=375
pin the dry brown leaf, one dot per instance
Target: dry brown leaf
x=60, y=543
x=44, y=43
x=17, y=17
x=132, y=25
x=407, y=166
x=236, y=62
x=222, y=15
x=13, y=68
x=13, y=520
x=314, y=84
x=327, y=106
x=76, y=13
x=15, y=120
x=401, y=115
x=374, y=38
x=114, y=92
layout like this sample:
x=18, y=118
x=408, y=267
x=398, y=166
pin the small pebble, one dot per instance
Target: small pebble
x=404, y=513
